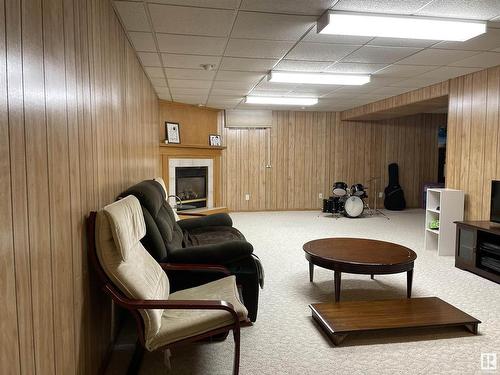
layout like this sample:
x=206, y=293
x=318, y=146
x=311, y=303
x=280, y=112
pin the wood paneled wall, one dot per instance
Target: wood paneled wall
x=403, y=104
x=473, y=145
x=79, y=123
x=195, y=123
x=308, y=151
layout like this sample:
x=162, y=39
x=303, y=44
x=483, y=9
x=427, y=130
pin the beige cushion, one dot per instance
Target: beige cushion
x=162, y=183
x=179, y=324
x=119, y=227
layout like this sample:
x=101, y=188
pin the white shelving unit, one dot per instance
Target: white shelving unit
x=446, y=205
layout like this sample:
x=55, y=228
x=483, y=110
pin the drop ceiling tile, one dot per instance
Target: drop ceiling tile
x=313, y=7
x=257, y=48
x=165, y=97
x=374, y=54
x=189, y=83
x=484, y=42
x=302, y=66
x=158, y=82
x=133, y=15
x=196, y=45
x=223, y=104
x=163, y=93
x=402, y=42
x=172, y=60
x=481, y=60
x=239, y=76
x=142, y=41
x=390, y=90
x=434, y=56
x=154, y=72
x=309, y=92
x=476, y=9
x=377, y=6
x=177, y=73
x=246, y=64
x=278, y=86
x=320, y=51
x=149, y=58
x=339, y=94
x=313, y=36
x=417, y=82
x=258, y=92
x=181, y=91
x=189, y=99
x=359, y=68
x=226, y=99
x=222, y=4
x=404, y=71
x=271, y=26
x=447, y=72
x=225, y=92
x=188, y=20
x=233, y=85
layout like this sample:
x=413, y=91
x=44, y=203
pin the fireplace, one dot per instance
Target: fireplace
x=191, y=186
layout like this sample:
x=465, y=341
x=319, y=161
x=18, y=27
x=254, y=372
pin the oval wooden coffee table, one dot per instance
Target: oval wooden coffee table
x=360, y=256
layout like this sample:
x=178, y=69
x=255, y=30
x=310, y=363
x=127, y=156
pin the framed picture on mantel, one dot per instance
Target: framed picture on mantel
x=214, y=140
x=172, y=132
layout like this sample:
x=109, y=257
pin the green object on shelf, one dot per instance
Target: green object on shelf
x=434, y=224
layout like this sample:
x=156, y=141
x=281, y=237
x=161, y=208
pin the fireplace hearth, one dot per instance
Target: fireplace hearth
x=191, y=186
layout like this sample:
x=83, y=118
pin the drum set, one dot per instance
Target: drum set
x=350, y=202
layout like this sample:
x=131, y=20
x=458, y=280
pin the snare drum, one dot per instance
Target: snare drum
x=339, y=189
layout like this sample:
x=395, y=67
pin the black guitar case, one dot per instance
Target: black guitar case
x=394, y=195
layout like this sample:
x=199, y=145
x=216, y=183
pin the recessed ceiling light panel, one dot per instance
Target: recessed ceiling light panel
x=280, y=100
x=319, y=78
x=392, y=26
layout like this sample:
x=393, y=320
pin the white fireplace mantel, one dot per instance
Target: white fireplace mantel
x=188, y=162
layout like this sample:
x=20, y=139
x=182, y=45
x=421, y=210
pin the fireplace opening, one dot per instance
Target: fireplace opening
x=191, y=186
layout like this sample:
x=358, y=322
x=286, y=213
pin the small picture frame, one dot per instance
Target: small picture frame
x=214, y=140
x=172, y=132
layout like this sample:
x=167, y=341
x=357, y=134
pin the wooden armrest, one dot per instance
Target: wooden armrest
x=195, y=267
x=194, y=214
x=134, y=304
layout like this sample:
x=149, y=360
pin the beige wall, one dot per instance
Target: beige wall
x=308, y=151
x=78, y=125
x=474, y=139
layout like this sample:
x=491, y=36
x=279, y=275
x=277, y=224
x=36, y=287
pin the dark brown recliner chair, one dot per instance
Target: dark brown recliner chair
x=205, y=240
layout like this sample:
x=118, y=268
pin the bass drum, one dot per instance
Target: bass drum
x=353, y=206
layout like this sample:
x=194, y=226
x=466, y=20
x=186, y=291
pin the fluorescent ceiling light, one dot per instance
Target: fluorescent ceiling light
x=319, y=78
x=280, y=100
x=411, y=27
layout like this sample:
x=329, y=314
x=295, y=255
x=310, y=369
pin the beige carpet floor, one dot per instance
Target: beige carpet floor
x=285, y=340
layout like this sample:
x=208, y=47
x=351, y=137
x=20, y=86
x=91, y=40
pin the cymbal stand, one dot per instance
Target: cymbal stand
x=375, y=210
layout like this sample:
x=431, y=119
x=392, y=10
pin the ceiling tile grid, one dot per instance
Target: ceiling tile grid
x=242, y=40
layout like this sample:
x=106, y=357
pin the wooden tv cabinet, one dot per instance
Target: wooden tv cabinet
x=470, y=253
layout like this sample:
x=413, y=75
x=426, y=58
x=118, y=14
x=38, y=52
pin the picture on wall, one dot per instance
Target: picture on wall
x=214, y=140
x=172, y=132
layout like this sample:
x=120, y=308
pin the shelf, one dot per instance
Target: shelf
x=434, y=211
x=179, y=145
x=435, y=231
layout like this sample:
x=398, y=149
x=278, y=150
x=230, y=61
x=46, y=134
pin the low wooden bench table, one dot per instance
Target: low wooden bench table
x=340, y=319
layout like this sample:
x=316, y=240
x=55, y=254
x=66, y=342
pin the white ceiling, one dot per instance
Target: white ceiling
x=245, y=39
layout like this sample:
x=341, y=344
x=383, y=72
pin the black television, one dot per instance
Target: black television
x=495, y=201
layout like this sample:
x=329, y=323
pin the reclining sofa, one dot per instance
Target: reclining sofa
x=203, y=240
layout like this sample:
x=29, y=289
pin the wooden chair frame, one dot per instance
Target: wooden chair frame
x=135, y=305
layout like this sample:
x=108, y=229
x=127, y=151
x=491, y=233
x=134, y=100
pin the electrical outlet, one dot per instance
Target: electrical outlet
x=320, y=195
x=380, y=194
x=247, y=197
